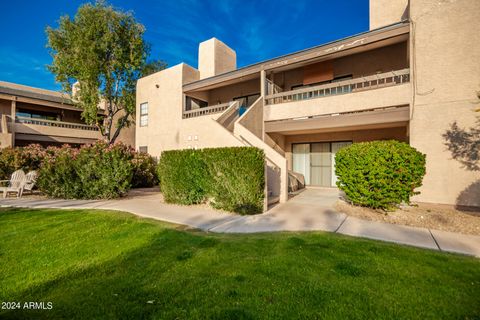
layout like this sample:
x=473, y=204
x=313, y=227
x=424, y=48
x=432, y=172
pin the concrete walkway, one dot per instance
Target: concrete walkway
x=311, y=210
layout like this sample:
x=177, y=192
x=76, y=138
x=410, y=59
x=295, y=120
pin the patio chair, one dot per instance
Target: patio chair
x=30, y=180
x=15, y=184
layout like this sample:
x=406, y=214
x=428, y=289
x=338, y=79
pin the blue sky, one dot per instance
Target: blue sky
x=256, y=30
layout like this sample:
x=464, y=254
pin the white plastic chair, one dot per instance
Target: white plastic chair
x=30, y=180
x=15, y=184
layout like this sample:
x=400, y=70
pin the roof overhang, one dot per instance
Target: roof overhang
x=368, y=119
x=358, y=43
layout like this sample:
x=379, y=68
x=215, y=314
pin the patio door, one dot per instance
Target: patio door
x=316, y=161
x=301, y=160
x=320, y=164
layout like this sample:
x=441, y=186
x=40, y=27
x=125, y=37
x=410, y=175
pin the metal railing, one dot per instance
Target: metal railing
x=57, y=124
x=205, y=111
x=376, y=81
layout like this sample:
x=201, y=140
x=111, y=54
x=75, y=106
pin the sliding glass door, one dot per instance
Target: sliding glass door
x=316, y=161
x=301, y=160
x=320, y=164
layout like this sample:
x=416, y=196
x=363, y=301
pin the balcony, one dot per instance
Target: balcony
x=48, y=130
x=57, y=124
x=370, y=92
x=376, y=81
x=205, y=111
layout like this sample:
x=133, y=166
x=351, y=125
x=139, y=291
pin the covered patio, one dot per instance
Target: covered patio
x=310, y=143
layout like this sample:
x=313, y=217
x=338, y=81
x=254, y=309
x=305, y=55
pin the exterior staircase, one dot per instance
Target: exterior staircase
x=248, y=128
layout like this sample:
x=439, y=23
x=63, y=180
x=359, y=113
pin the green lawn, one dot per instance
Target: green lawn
x=100, y=265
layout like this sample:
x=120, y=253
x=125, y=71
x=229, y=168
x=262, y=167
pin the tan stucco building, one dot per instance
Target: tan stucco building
x=33, y=115
x=409, y=78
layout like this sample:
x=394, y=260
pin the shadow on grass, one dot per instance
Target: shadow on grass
x=126, y=287
x=185, y=275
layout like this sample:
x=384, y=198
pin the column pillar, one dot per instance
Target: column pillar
x=13, y=111
x=263, y=83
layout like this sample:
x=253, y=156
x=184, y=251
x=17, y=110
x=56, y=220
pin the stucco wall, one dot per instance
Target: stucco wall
x=385, y=12
x=215, y=57
x=127, y=134
x=227, y=93
x=446, y=53
x=5, y=140
x=166, y=129
x=253, y=119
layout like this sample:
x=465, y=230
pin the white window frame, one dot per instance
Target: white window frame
x=143, y=114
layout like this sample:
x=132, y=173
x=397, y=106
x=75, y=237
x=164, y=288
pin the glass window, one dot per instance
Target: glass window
x=143, y=149
x=144, y=114
x=41, y=115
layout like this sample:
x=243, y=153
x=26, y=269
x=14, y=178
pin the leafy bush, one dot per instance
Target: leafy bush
x=230, y=178
x=97, y=171
x=57, y=177
x=93, y=171
x=26, y=158
x=8, y=162
x=379, y=174
x=144, y=170
x=104, y=171
x=236, y=178
x=183, y=176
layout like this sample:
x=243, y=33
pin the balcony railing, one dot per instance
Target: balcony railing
x=376, y=81
x=206, y=111
x=58, y=124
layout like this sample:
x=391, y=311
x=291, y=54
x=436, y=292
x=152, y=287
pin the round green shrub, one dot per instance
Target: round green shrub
x=379, y=174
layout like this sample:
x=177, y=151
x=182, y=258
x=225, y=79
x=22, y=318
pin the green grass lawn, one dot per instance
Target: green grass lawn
x=100, y=265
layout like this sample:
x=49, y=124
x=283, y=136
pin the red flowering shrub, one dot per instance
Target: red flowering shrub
x=90, y=172
x=144, y=170
x=97, y=171
x=57, y=174
x=26, y=158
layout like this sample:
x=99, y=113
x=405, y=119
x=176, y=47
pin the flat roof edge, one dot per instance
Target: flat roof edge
x=34, y=95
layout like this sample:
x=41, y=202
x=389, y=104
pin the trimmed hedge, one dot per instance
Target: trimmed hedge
x=183, y=176
x=379, y=174
x=231, y=179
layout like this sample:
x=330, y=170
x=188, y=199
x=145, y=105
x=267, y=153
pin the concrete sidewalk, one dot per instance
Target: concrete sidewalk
x=311, y=210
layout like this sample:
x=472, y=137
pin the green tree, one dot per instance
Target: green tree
x=102, y=52
x=152, y=67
